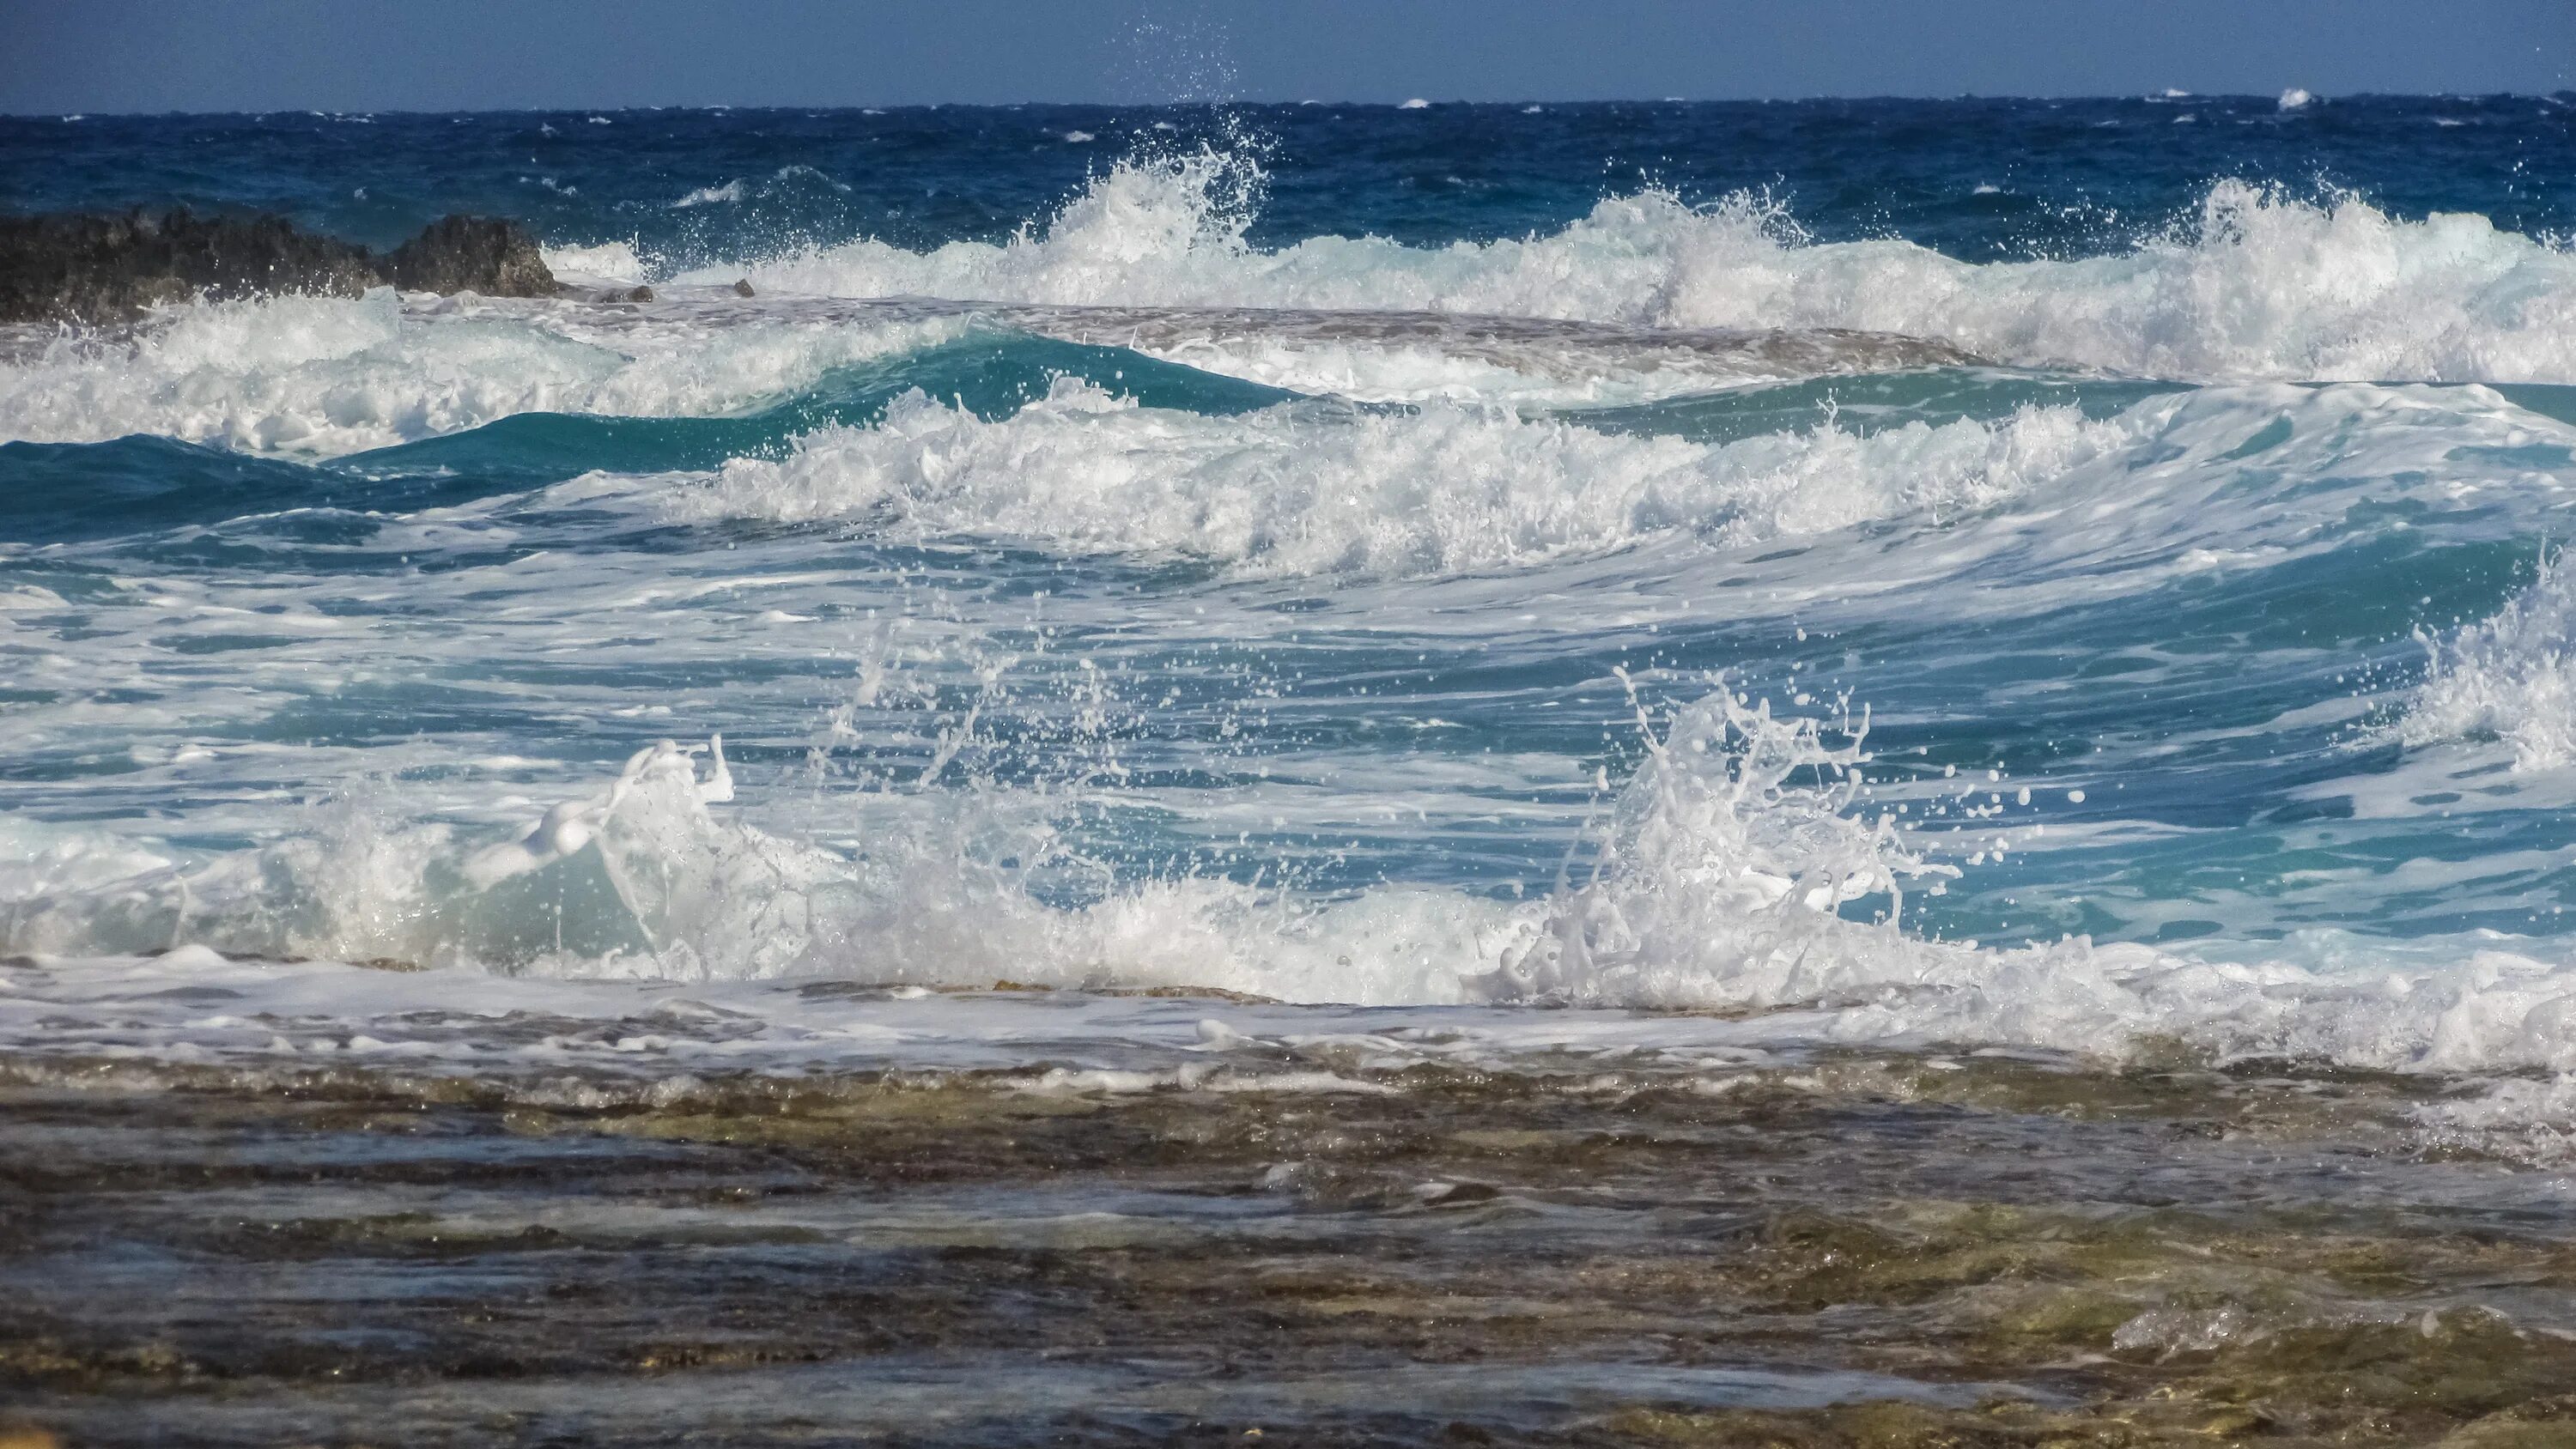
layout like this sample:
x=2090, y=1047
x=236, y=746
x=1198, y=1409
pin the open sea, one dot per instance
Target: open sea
x=1561, y=774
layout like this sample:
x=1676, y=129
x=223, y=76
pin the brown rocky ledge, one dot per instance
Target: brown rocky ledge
x=86, y=267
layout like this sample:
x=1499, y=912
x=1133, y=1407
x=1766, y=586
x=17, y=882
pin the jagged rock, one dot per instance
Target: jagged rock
x=471, y=254
x=86, y=268
x=742, y=288
x=76, y=267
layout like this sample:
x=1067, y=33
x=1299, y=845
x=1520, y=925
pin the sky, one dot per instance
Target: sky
x=98, y=56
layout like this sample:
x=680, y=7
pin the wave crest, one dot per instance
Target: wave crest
x=2259, y=285
x=1728, y=879
x=323, y=375
x=1295, y=490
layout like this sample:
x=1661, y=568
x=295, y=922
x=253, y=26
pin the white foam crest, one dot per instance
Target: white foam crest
x=613, y=261
x=1726, y=877
x=700, y=896
x=2511, y=677
x=1731, y=875
x=1298, y=490
x=319, y=375
x=2263, y=285
x=348, y=888
x=1169, y=209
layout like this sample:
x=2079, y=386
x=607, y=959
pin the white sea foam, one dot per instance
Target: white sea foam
x=328, y=375
x=1292, y=489
x=1729, y=877
x=2174, y=484
x=613, y=261
x=2521, y=1119
x=2260, y=285
x=2511, y=677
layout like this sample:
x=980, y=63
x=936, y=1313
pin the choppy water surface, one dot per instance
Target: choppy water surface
x=1597, y=774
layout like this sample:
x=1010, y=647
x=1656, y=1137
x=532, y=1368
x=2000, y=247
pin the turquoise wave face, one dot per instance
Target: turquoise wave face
x=988, y=377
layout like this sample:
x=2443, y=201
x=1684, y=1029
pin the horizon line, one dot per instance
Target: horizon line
x=1410, y=103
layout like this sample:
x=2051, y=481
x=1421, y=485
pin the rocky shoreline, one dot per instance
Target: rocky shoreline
x=1838, y=1251
x=90, y=268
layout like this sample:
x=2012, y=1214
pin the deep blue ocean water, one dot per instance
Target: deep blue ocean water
x=2071, y=178
x=2041, y=573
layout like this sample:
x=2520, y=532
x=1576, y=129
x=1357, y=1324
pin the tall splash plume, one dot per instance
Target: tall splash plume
x=1145, y=219
x=1724, y=873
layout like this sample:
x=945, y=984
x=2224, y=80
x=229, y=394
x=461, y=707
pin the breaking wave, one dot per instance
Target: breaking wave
x=1443, y=489
x=319, y=375
x=1740, y=869
x=2259, y=284
x=1305, y=488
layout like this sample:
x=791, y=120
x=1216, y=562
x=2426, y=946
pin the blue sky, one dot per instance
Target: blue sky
x=229, y=55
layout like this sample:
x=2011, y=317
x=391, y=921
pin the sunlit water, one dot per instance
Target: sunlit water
x=1597, y=601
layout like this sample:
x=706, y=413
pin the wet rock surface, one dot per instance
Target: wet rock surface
x=471, y=254
x=99, y=269
x=1842, y=1253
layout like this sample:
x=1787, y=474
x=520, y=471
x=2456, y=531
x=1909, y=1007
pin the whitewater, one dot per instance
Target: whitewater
x=2160, y=644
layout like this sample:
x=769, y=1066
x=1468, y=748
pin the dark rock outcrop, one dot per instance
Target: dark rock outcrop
x=109, y=268
x=471, y=254
x=98, y=269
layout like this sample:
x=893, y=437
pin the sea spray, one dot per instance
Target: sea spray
x=2510, y=677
